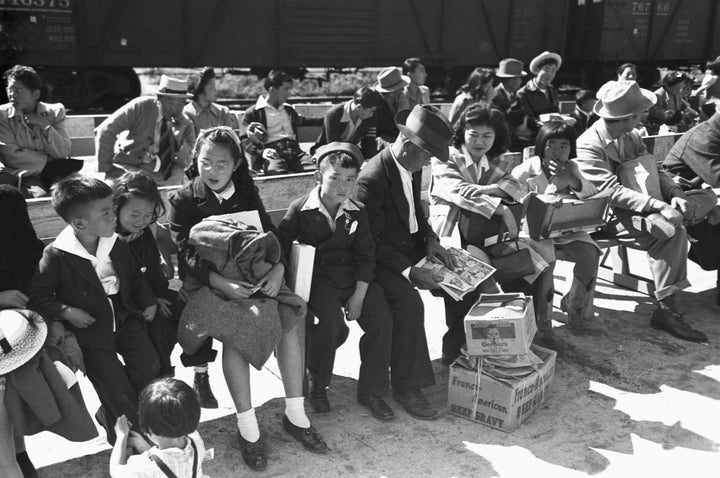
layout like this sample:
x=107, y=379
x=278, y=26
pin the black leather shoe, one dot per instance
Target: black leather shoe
x=674, y=323
x=379, y=408
x=253, y=453
x=102, y=419
x=317, y=396
x=309, y=437
x=201, y=385
x=415, y=403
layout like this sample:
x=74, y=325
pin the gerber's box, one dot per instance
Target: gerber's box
x=500, y=324
x=500, y=403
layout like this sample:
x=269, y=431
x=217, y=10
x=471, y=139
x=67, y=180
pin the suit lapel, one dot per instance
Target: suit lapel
x=396, y=187
x=85, y=269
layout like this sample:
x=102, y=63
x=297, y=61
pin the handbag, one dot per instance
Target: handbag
x=514, y=265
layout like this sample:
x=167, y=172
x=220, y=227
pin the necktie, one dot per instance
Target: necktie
x=166, y=149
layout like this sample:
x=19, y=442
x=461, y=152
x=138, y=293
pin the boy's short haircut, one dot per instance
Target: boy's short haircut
x=584, y=95
x=75, y=192
x=367, y=97
x=338, y=158
x=276, y=78
x=672, y=117
x=411, y=64
x=168, y=408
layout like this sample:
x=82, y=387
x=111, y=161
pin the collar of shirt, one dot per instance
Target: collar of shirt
x=502, y=88
x=482, y=165
x=581, y=113
x=603, y=133
x=314, y=202
x=198, y=109
x=262, y=102
x=226, y=193
x=67, y=241
x=40, y=109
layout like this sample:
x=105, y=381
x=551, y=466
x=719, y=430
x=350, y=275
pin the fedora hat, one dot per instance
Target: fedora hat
x=427, y=128
x=339, y=146
x=620, y=99
x=391, y=79
x=173, y=88
x=546, y=55
x=510, y=68
x=22, y=335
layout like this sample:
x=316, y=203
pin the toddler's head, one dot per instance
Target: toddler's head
x=137, y=202
x=169, y=408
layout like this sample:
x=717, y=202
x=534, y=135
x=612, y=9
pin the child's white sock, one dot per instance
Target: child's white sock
x=202, y=369
x=295, y=411
x=248, y=425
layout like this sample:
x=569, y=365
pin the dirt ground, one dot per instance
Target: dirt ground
x=626, y=400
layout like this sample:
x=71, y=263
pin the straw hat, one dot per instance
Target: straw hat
x=22, y=335
x=546, y=55
x=620, y=99
x=391, y=79
x=510, y=68
x=173, y=88
x=427, y=128
x=347, y=148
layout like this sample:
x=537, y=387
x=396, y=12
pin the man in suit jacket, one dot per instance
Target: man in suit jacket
x=653, y=223
x=157, y=140
x=389, y=186
x=510, y=72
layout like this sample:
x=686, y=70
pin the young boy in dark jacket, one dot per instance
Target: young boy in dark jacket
x=90, y=281
x=342, y=282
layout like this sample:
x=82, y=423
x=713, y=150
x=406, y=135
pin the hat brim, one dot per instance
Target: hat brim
x=649, y=99
x=542, y=57
x=404, y=81
x=499, y=74
x=26, y=349
x=184, y=96
x=347, y=148
x=441, y=154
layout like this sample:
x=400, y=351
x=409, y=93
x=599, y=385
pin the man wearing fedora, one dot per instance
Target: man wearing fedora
x=389, y=186
x=538, y=96
x=157, y=136
x=391, y=85
x=650, y=211
x=510, y=72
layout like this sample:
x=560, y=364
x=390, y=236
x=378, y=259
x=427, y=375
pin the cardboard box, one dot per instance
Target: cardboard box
x=546, y=218
x=500, y=404
x=500, y=324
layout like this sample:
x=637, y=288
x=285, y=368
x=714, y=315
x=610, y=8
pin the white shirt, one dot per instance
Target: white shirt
x=406, y=178
x=314, y=202
x=178, y=460
x=279, y=123
x=226, y=193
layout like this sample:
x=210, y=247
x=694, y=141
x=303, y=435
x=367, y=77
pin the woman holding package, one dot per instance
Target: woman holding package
x=476, y=180
x=552, y=172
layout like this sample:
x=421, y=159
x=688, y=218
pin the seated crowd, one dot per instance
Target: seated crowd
x=101, y=289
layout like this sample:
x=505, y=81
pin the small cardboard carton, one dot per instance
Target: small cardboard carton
x=500, y=403
x=546, y=217
x=500, y=324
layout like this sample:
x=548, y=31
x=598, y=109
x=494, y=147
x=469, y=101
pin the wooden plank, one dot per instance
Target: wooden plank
x=82, y=147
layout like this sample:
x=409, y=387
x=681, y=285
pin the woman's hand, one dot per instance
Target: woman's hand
x=13, y=299
x=508, y=219
x=271, y=283
x=239, y=289
x=565, y=175
x=34, y=119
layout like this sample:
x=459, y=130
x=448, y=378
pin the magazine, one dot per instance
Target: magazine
x=468, y=274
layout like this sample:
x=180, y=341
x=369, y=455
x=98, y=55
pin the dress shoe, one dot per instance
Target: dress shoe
x=654, y=224
x=253, y=453
x=379, y=408
x=549, y=340
x=317, y=396
x=26, y=467
x=201, y=385
x=415, y=403
x=102, y=419
x=309, y=437
x=674, y=323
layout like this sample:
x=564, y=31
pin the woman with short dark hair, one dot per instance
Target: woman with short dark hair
x=202, y=110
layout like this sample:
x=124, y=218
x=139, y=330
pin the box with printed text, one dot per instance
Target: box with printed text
x=500, y=324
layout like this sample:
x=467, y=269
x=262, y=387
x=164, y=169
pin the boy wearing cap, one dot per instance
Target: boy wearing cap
x=389, y=187
x=157, y=139
x=652, y=221
x=270, y=129
x=342, y=283
x=391, y=84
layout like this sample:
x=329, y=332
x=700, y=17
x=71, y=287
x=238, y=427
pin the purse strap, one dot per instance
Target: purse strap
x=166, y=469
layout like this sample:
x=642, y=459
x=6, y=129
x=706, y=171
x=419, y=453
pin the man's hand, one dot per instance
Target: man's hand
x=434, y=249
x=13, y=299
x=77, y=317
x=687, y=208
x=149, y=312
x=424, y=278
x=271, y=283
x=163, y=307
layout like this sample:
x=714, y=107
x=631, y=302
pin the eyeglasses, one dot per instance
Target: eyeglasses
x=220, y=167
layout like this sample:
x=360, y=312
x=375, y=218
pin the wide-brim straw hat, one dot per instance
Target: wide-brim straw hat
x=546, y=55
x=22, y=335
x=621, y=99
x=426, y=127
x=173, y=88
x=339, y=146
x=510, y=68
x=391, y=79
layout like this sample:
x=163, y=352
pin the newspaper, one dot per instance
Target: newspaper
x=469, y=272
